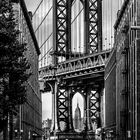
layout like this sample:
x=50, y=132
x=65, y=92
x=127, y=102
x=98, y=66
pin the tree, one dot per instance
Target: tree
x=14, y=67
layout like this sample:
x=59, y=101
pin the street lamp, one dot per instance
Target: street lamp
x=21, y=133
x=18, y=134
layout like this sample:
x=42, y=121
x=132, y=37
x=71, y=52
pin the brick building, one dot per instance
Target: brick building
x=110, y=93
x=28, y=124
x=123, y=109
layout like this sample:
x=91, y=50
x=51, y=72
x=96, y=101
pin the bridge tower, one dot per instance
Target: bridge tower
x=84, y=74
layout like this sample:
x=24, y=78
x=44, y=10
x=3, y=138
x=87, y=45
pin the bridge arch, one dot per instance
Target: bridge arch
x=78, y=103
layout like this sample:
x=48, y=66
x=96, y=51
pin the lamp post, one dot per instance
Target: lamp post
x=18, y=134
x=20, y=129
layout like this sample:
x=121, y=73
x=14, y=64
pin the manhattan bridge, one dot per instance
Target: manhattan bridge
x=76, y=38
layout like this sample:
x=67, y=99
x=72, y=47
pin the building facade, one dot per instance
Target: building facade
x=28, y=123
x=126, y=105
x=110, y=94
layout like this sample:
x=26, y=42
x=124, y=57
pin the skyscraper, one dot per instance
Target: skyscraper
x=77, y=119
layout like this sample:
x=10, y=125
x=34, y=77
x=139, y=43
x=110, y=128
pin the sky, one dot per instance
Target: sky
x=46, y=106
x=32, y=4
x=109, y=16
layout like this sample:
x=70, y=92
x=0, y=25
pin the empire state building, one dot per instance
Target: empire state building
x=77, y=119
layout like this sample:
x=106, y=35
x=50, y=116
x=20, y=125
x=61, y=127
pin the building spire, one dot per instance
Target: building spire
x=77, y=102
x=77, y=117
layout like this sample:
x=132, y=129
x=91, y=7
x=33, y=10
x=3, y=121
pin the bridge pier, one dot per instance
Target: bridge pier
x=87, y=111
x=70, y=119
x=62, y=120
x=55, y=125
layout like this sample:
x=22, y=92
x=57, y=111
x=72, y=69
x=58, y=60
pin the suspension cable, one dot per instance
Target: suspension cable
x=37, y=7
x=77, y=15
x=109, y=22
x=111, y=36
x=106, y=6
x=46, y=53
x=79, y=29
x=44, y=19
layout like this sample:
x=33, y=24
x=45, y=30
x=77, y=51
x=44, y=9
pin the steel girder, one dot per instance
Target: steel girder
x=79, y=67
x=93, y=26
x=62, y=108
x=95, y=106
x=62, y=28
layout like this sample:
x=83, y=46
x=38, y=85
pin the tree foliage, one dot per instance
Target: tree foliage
x=14, y=67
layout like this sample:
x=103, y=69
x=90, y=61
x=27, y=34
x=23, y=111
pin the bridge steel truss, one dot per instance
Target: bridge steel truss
x=84, y=75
